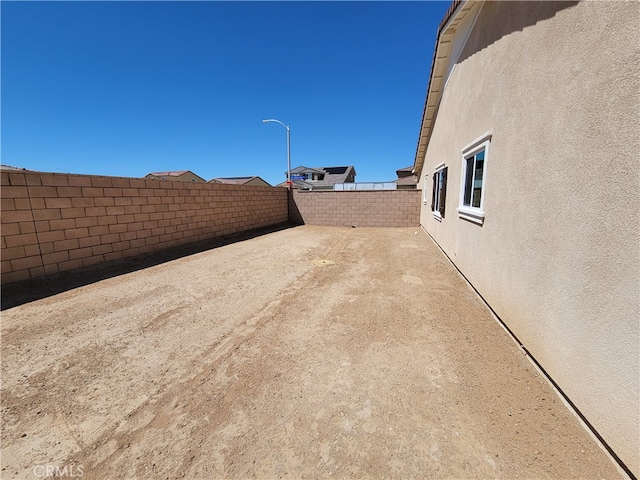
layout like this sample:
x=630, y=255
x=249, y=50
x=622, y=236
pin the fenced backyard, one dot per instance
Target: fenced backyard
x=54, y=223
x=307, y=352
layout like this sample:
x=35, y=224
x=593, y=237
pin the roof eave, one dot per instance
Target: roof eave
x=436, y=82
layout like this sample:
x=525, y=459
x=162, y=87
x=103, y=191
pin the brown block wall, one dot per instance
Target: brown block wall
x=377, y=208
x=55, y=222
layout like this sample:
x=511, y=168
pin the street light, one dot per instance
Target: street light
x=288, y=148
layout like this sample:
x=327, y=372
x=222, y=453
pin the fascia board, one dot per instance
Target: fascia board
x=439, y=68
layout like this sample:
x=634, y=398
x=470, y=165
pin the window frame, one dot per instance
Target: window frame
x=468, y=212
x=439, y=192
x=425, y=189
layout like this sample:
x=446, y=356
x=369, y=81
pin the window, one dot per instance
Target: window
x=472, y=189
x=474, y=169
x=425, y=190
x=439, y=192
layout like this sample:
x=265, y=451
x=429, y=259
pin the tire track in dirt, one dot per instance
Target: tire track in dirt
x=217, y=359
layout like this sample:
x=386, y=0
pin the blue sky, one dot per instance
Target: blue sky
x=126, y=88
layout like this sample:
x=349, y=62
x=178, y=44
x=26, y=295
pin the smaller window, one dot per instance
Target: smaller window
x=474, y=168
x=472, y=189
x=439, y=193
x=425, y=190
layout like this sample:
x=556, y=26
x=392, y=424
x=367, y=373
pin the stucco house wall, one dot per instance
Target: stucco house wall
x=557, y=257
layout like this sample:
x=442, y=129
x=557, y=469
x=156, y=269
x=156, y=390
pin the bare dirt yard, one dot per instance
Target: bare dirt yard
x=310, y=352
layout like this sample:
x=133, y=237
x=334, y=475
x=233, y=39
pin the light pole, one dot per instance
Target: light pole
x=288, y=148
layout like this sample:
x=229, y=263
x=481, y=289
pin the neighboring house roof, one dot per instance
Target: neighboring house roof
x=446, y=31
x=306, y=170
x=176, y=174
x=404, y=172
x=255, y=180
x=331, y=176
x=13, y=169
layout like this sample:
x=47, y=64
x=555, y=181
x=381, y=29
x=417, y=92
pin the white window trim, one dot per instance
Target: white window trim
x=436, y=213
x=425, y=189
x=474, y=214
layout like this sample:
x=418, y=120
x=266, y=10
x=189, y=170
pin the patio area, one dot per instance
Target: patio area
x=307, y=352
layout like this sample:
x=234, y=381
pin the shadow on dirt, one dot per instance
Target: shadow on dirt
x=27, y=291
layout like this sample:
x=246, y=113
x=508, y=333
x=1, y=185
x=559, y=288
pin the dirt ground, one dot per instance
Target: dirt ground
x=311, y=352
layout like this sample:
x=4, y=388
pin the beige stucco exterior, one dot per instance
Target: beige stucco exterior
x=558, y=254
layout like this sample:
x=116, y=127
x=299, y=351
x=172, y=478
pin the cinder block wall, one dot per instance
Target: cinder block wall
x=362, y=208
x=55, y=222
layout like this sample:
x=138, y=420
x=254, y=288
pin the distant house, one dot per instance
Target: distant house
x=176, y=176
x=255, y=180
x=13, y=169
x=528, y=161
x=321, y=178
x=407, y=180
